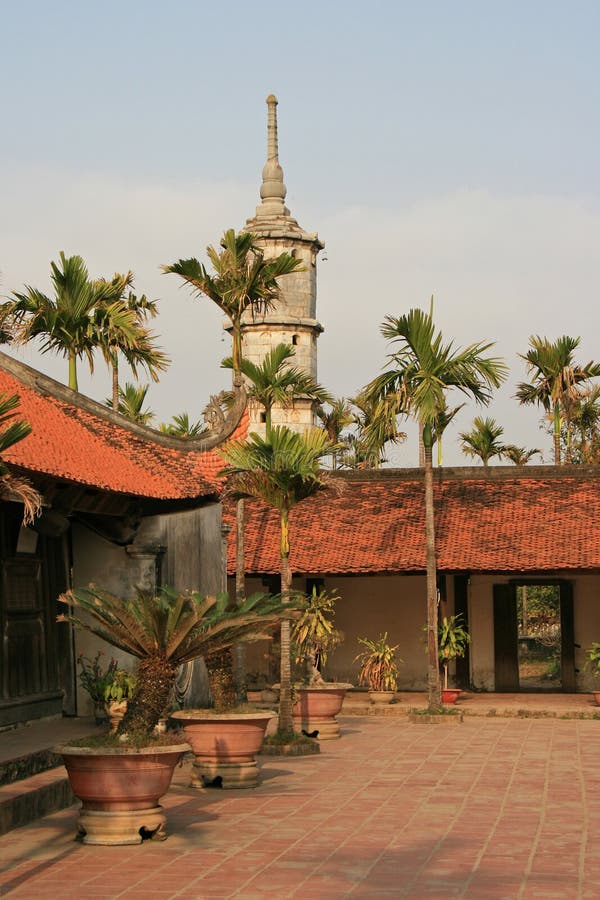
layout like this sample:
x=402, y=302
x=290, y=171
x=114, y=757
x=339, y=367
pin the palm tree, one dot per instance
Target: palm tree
x=131, y=401
x=334, y=420
x=275, y=382
x=442, y=420
x=244, y=281
x=72, y=322
x=138, y=349
x=422, y=370
x=555, y=379
x=182, y=426
x=520, y=456
x=282, y=470
x=165, y=631
x=586, y=421
x=482, y=440
x=11, y=485
x=375, y=430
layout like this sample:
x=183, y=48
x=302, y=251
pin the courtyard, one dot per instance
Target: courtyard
x=492, y=808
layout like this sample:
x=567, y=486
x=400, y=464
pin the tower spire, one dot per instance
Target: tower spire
x=273, y=189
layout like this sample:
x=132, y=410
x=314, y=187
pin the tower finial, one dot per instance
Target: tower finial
x=273, y=189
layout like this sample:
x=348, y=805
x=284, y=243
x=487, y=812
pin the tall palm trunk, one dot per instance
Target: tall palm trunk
x=433, y=670
x=73, y=371
x=115, y=382
x=556, y=434
x=285, y=677
x=240, y=593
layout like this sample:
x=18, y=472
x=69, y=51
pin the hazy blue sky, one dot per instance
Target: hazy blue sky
x=437, y=147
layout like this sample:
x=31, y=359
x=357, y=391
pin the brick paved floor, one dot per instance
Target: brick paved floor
x=493, y=808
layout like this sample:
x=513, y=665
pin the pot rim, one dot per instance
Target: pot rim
x=70, y=750
x=206, y=715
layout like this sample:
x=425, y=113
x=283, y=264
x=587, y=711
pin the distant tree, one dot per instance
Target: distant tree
x=243, y=281
x=482, y=440
x=131, y=402
x=274, y=382
x=520, y=456
x=181, y=426
x=442, y=420
x=555, y=382
x=366, y=446
x=138, y=347
x=74, y=321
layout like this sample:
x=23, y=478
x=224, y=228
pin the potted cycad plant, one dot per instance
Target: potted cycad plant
x=453, y=640
x=378, y=668
x=121, y=779
x=314, y=636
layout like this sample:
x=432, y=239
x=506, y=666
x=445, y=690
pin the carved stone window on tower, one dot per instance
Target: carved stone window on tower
x=295, y=340
x=263, y=417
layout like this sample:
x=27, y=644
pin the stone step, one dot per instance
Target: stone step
x=20, y=767
x=30, y=798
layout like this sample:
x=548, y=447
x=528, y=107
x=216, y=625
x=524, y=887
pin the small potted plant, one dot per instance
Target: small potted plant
x=314, y=636
x=378, y=668
x=453, y=640
x=593, y=664
x=96, y=680
x=116, y=695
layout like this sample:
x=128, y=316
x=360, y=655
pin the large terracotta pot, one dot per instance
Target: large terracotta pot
x=316, y=709
x=119, y=789
x=225, y=746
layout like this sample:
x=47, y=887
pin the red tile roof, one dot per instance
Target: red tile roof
x=76, y=439
x=496, y=520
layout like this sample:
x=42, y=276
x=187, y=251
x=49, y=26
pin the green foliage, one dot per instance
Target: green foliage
x=453, y=638
x=11, y=432
x=378, y=666
x=121, y=687
x=131, y=403
x=164, y=631
x=482, y=440
x=275, y=381
x=593, y=659
x=243, y=280
x=177, y=626
x=182, y=426
x=314, y=635
x=94, y=677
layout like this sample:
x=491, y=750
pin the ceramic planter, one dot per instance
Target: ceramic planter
x=224, y=745
x=450, y=695
x=316, y=709
x=119, y=789
x=381, y=698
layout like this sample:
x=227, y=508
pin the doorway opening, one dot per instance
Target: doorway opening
x=534, y=636
x=540, y=637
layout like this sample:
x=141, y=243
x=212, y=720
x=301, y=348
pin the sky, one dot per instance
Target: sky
x=437, y=148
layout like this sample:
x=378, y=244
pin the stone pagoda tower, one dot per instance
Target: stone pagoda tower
x=293, y=319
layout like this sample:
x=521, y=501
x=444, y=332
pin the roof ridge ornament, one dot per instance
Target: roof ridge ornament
x=273, y=189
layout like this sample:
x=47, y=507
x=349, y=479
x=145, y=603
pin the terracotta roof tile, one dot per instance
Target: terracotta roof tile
x=533, y=520
x=70, y=442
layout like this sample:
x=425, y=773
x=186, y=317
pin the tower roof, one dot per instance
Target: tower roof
x=273, y=218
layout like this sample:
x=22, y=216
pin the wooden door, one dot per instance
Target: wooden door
x=506, y=634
